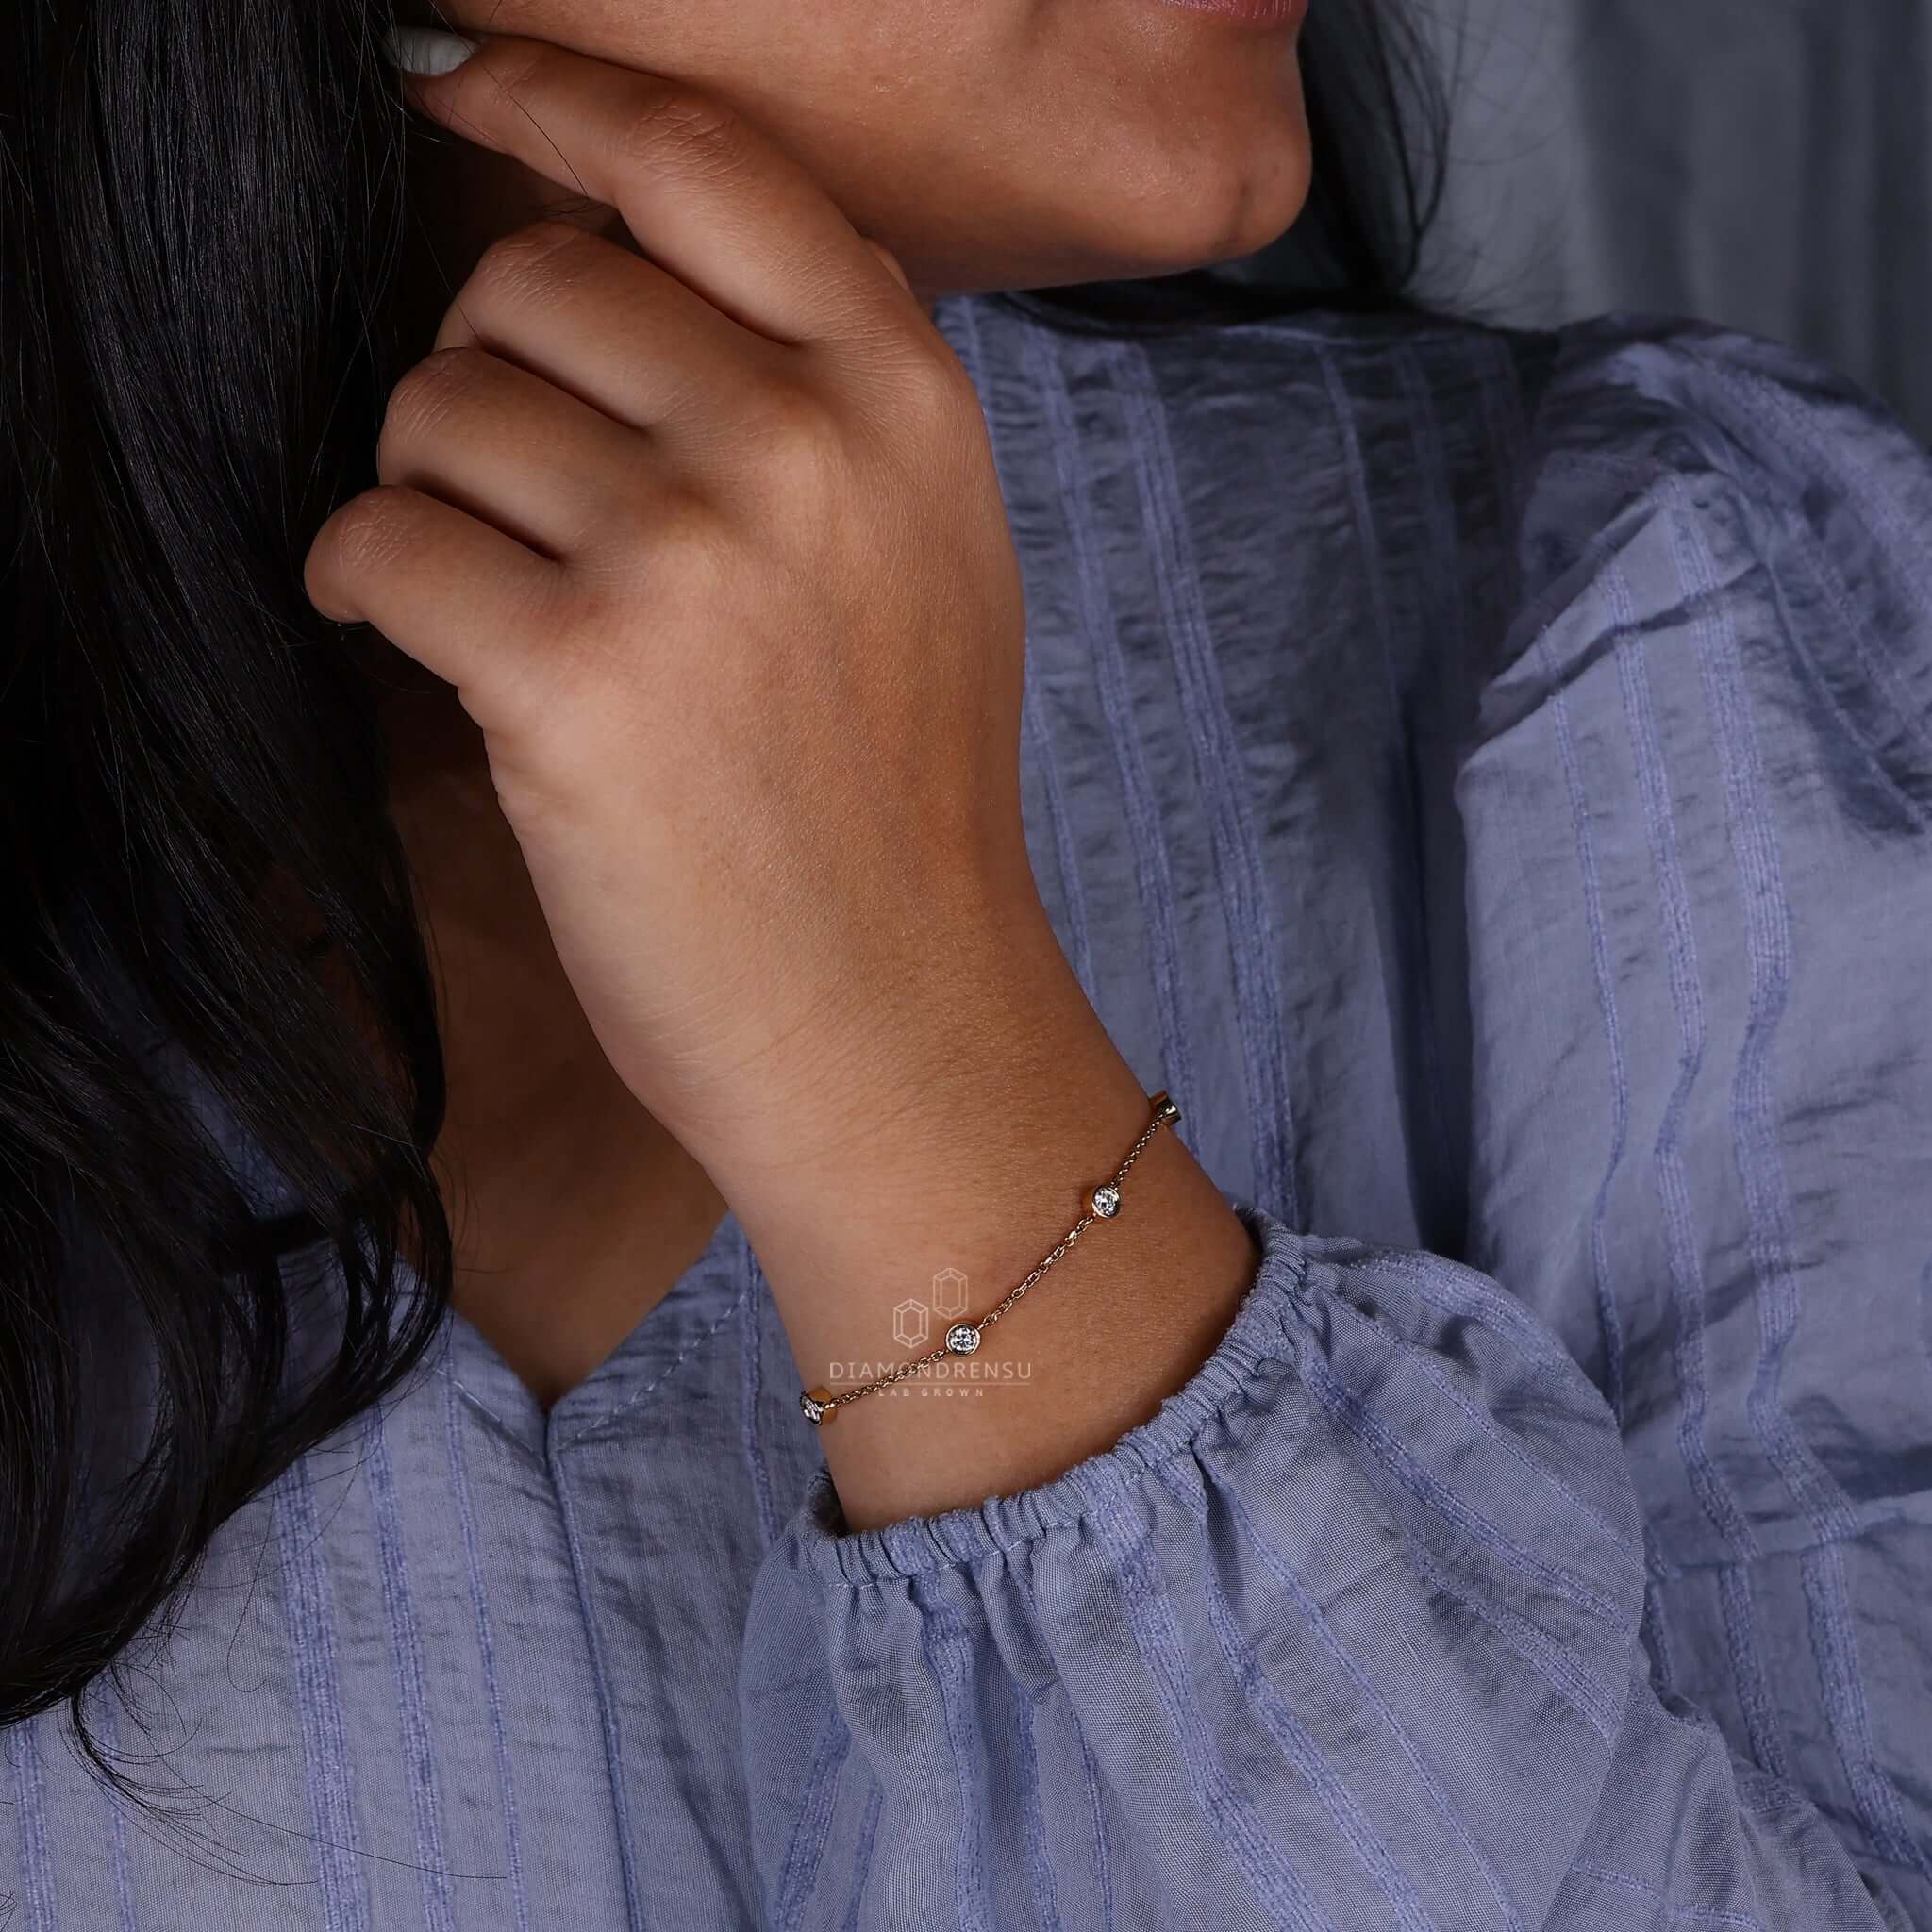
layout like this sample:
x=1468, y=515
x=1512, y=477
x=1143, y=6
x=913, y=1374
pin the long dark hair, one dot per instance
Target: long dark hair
x=201, y=203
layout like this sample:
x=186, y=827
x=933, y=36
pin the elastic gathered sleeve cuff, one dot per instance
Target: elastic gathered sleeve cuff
x=1344, y=1637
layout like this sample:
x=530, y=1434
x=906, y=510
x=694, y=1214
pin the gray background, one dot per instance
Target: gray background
x=1764, y=164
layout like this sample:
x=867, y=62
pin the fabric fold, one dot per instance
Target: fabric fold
x=1346, y=1635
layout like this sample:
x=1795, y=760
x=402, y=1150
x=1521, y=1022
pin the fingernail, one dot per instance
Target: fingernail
x=423, y=50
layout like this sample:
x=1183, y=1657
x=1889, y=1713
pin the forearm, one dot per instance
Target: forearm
x=1007, y=1107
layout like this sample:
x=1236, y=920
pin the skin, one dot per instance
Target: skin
x=690, y=585
x=1004, y=144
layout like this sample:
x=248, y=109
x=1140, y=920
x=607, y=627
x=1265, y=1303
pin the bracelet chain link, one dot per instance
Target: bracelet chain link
x=820, y=1405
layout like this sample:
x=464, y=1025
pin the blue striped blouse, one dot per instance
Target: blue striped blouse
x=1486, y=776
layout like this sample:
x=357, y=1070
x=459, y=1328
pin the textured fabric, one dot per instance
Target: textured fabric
x=1487, y=778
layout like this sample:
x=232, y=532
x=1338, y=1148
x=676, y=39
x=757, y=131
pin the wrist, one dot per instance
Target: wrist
x=976, y=1163
x=1121, y=1319
x=985, y=1031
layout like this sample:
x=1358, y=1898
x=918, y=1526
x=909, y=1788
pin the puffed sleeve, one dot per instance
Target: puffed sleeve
x=1345, y=1636
x=1579, y=1584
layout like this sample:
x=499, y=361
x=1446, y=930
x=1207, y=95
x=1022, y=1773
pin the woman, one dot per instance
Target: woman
x=756, y=795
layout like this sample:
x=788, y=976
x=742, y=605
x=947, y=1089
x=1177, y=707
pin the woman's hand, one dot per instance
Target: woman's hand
x=712, y=547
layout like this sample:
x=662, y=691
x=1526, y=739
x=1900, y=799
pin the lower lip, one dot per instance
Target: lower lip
x=1250, y=12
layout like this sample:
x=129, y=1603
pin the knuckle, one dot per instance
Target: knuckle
x=533, y=260
x=428, y=392
x=938, y=389
x=368, y=532
x=686, y=541
x=647, y=544
x=649, y=530
x=675, y=126
x=793, y=418
x=930, y=415
x=797, y=444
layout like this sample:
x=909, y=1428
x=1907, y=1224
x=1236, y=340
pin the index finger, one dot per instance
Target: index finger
x=708, y=197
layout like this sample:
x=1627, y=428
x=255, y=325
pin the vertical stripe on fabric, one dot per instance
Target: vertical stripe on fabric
x=1264, y=1863
x=406, y=1660
x=1311, y=1614
x=812, y=1828
x=308, y=1614
x=1103, y=1856
x=1038, y=1857
x=1768, y=945
x=1761, y=1728
x=30, y=1807
x=1506, y=429
x=1445, y=554
x=1035, y=731
x=861, y=1853
x=1607, y=1316
x=1767, y=1200
x=1146, y=837
x=600, y=1677
x=948, y=1655
x=1294, y=1741
x=108, y=1725
x=1103, y=1870
x=1684, y=1257
x=1439, y=506
x=1242, y=873
x=486, y=1643
x=1361, y=510
x=1410, y=909
x=751, y=1308
x=1655, y=1632
x=1822, y=1569
x=1768, y=935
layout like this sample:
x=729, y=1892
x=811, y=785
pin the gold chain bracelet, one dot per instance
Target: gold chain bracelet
x=964, y=1337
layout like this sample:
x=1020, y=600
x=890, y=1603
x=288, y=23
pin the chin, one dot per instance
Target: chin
x=1208, y=184
x=1123, y=203
x=1198, y=217
x=1259, y=209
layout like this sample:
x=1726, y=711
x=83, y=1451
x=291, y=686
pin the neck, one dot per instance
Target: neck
x=573, y=1211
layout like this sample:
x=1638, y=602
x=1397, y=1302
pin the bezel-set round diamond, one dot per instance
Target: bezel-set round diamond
x=820, y=1405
